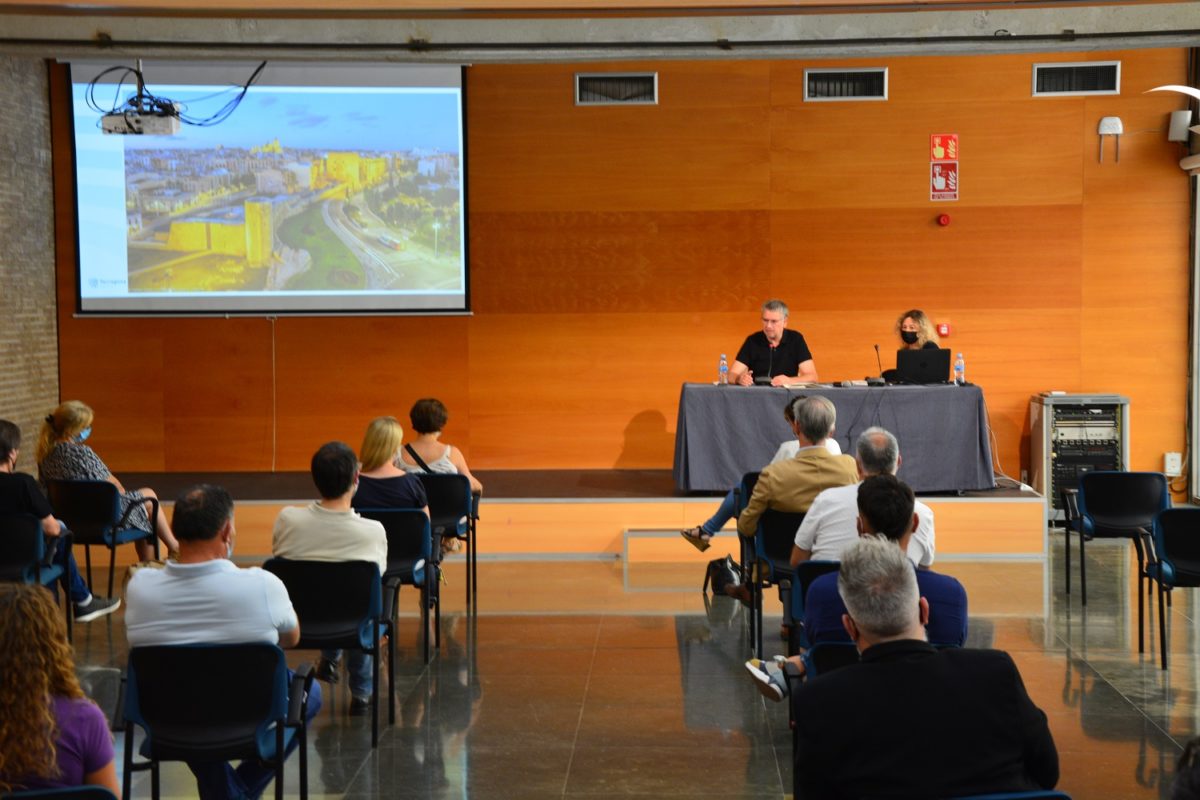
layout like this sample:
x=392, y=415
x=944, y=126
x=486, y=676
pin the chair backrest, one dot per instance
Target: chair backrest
x=21, y=547
x=90, y=508
x=1177, y=545
x=1118, y=503
x=806, y=573
x=450, y=504
x=168, y=693
x=777, y=533
x=744, y=489
x=825, y=657
x=333, y=599
x=408, y=532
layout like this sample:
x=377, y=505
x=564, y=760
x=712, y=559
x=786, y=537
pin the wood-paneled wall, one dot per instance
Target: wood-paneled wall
x=616, y=252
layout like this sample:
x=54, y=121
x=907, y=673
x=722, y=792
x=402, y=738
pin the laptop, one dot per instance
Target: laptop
x=923, y=366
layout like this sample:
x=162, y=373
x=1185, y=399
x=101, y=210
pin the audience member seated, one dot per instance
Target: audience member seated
x=203, y=598
x=329, y=529
x=52, y=735
x=63, y=456
x=20, y=494
x=829, y=525
x=700, y=537
x=426, y=453
x=381, y=484
x=909, y=720
x=793, y=484
x=885, y=508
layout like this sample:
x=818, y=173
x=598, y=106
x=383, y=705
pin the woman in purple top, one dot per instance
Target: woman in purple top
x=51, y=734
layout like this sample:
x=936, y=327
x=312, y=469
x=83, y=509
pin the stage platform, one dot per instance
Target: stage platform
x=631, y=515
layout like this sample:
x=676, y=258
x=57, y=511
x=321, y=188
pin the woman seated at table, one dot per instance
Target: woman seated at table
x=381, y=484
x=916, y=331
x=700, y=536
x=426, y=453
x=53, y=736
x=63, y=456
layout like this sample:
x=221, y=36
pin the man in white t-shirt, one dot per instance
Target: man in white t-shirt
x=829, y=526
x=330, y=530
x=203, y=598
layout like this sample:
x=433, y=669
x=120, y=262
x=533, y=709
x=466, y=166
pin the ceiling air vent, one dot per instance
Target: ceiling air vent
x=616, y=88
x=845, y=84
x=1088, y=77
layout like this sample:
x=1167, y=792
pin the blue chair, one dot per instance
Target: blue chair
x=66, y=793
x=255, y=714
x=23, y=557
x=1122, y=505
x=1177, y=550
x=410, y=563
x=93, y=511
x=339, y=605
x=806, y=573
x=773, y=541
x=454, y=512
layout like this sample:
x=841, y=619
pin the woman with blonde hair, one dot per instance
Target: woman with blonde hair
x=51, y=734
x=915, y=330
x=63, y=456
x=381, y=484
x=426, y=453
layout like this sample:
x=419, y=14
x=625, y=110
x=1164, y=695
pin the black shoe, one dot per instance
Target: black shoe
x=327, y=670
x=96, y=607
x=359, y=706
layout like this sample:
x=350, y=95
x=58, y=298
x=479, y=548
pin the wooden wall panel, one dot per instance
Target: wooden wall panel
x=616, y=252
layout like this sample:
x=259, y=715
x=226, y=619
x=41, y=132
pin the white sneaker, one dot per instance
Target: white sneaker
x=765, y=682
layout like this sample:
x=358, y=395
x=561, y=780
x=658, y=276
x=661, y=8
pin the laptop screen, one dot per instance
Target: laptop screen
x=923, y=366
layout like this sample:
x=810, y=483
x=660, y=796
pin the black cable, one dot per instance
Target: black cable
x=143, y=101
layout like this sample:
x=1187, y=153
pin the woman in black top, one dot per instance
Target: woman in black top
x=915, y=331
x=381, y=484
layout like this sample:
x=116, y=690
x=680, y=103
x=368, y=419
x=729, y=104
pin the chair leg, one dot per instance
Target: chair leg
x=127, y=777
x=87, y=560
x=1162, y=625
x=474, y=564
x=1067, y=555
x=1141, y=574
x=155, y=789
x=425, y=618
x=69, y=606
x=302, y=734
x=279, y=759
x=1082, y=569
x=758, y=613
x=112, y=568
x=375, y=689
x=467, y=566
x=392, y=674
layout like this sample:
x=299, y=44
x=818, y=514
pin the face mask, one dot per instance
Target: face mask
x=909, y=337
x=85, y=433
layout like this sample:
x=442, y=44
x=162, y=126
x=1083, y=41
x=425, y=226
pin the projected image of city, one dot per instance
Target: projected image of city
x=300, y=191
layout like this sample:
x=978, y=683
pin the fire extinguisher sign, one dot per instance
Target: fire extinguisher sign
x=943, y=166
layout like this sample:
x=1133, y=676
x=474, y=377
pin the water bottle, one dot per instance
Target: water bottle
x=960, y=371
x=722, y=371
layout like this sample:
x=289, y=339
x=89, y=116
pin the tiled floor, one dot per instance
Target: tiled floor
x=590, y=680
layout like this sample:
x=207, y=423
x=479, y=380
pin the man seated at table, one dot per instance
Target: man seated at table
x=774, y=353
x=909, y=720
x=829, y=525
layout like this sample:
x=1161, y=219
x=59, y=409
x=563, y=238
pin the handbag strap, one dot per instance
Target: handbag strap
x=420, y=462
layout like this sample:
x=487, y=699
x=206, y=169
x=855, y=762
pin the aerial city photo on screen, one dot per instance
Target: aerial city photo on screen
x=301, y=190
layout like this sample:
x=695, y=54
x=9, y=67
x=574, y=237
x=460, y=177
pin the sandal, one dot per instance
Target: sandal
x=697, y=538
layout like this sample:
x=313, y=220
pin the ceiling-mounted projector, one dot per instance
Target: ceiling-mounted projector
x=142, y=123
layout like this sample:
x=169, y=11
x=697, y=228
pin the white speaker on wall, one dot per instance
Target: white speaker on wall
x=1177, y=131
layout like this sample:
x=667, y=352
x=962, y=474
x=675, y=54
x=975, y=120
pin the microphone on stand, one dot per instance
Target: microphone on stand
x=877, y=381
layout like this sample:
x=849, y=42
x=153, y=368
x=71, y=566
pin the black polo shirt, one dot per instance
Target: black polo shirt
x=767, y=362
x=20, y=494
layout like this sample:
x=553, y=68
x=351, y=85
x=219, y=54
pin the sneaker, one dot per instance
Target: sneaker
x=765, y=682
x=696, y=538
x=327, y=670
x=360, y=705
x=95, y=608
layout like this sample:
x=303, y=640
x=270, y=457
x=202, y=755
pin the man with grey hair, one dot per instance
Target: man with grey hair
x=829, y=525
x=939, y=723
x=775, y=355
x=791, y=485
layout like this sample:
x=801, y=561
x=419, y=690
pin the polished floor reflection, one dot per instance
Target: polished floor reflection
x=599, y=680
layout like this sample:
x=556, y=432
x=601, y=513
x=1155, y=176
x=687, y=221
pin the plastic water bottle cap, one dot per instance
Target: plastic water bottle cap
x=960, y=355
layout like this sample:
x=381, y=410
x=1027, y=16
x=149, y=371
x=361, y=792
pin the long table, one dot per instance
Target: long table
x=725, y=431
